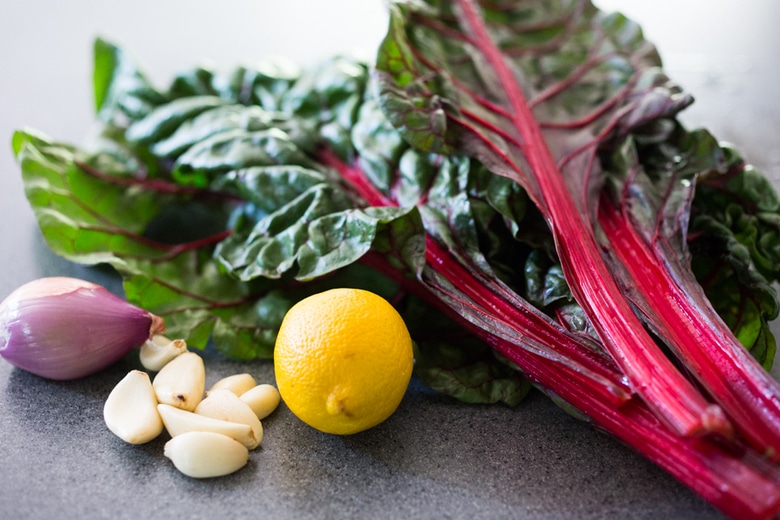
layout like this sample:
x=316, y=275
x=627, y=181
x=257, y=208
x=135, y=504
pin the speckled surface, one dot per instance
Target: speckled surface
x=435, y=458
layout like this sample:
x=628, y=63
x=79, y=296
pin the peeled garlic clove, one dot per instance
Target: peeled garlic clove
x=238, y=383
x=158, y=351
x=225, y=405
x=178, y=422
x=262, y=399
x=181, y=382
x=130, y=411
x=206, y=454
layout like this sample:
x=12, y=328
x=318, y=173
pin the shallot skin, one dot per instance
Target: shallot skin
x=64, y=328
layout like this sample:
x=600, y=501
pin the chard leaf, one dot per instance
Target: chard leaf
x=223, y=118
x=316, y=231
x=263, y=84
x=328, y=97
x=735, y=252
x=459, y=365
x=91, y=217
x=380, y=148
x=161, y=232
x=534, y=105
x=121, y=90
x=77, y=208
x=545, y=283
x=233, y=150
x=196, y=82
x=164, y=119
x=741, y=296
x=443, y=188
x=505, y=197
x=586, y=76
x=574, y=319
x=468, y=371
x=198, y=302
x=745, y=201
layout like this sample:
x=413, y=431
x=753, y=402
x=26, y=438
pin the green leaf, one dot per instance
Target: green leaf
x=328, y=97
x=313, y=228
x=263, y=84
x=331, y=92
x=578, y=68
x=458, y=365
x=162, y=121
x=409, y=96
x=233, y=150
x=379, y=147
x=740, y=295
x=194, y=83
x=545, y=284
x=120, y=89
x=91, y=217
x=76, y=208
x=194, y=298
x=469, y=371
x=223, y=118
x=744, y=200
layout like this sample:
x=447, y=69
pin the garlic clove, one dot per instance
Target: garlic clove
x=237, y=383
x=262, y=399
x=158, y=351
x=181, y=382
x=225, y=405
x=206, y=454
x=130, y=411
x=178, y=421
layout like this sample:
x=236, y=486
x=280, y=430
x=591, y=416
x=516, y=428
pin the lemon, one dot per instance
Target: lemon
x=343, y=359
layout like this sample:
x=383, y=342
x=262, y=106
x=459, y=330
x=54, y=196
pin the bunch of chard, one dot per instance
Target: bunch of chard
x=517, y=167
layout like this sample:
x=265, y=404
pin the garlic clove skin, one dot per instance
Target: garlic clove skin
x=181, y=382
x=225, y=405
x=262, y=399
x=206, y=454
x=158, y=351
x=130, y=411
x=178, y=422
x=237, y=383
x=64, y=328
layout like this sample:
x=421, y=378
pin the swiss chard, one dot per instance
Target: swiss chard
x=452, y=81
x=645, y=224
x=544, y=127
x=136, y=202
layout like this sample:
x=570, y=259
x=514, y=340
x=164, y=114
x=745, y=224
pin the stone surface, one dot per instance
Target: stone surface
x=434, y=458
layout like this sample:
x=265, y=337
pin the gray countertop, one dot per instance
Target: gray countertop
x=434, y=458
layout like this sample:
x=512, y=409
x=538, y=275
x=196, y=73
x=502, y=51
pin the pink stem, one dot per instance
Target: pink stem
x=746, y=391
x=652, y=374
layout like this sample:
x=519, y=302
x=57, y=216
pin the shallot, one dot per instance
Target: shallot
x=65, y=328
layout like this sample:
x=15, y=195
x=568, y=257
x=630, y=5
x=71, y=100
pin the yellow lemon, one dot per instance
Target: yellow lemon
x=343, y=360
